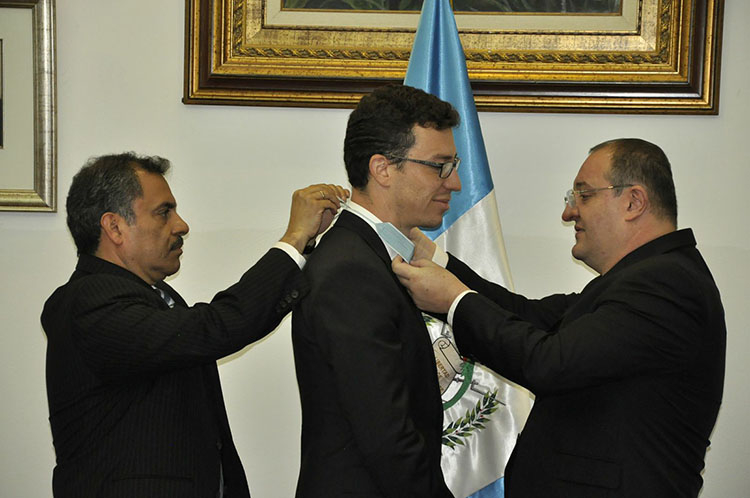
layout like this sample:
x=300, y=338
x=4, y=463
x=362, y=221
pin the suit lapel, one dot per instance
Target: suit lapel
x=354, y=223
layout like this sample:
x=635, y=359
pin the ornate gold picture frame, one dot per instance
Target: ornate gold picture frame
x=654, y=56
x=38, y=139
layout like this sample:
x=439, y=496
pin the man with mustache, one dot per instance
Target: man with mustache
x=628, y=374
x=136, y=407
x=371, y=408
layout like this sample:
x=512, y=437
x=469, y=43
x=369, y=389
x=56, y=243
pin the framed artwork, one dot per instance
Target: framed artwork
x=622, y=56
x=28, y=156
x=498, y=6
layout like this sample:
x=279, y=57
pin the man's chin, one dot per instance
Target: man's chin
x=577, y=252
x=427, y=228
x=172, y=269
x=430, y=224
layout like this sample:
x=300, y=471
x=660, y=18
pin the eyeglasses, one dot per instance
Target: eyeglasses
x=445, y=168
x=570, y=195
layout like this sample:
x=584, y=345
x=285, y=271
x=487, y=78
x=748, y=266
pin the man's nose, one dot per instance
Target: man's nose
x=569, y=213
x=181, y=228
x=453, y=182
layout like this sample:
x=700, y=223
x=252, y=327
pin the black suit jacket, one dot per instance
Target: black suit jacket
x=371, y=407
x=628, y=374
x=135, y=403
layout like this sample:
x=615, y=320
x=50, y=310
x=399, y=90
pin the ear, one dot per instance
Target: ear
x=112, y=225
x=637, y=202
x=379, y=170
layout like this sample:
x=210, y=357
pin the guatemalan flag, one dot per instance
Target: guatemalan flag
x=483, y=413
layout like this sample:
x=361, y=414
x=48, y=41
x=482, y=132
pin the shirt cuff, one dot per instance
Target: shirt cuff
x=453, y=307
x=440, y=257
x=292, y=252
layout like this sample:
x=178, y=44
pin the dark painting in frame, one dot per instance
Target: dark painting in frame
x=534, y=6
x=655, y=56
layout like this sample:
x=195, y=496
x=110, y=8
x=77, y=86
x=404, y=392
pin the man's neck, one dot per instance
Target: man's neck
x=110, y=254
x=366, y=201
x=378, y=205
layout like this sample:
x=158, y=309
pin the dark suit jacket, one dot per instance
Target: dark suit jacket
x=628, y=375
x=135, y=403
x=371, y=407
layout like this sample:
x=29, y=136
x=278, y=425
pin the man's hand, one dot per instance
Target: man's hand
x=424, y=248
x=432, y=287
x=313, y=209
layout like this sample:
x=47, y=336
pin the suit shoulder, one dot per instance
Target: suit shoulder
x=82, y=292
x=88, y=289
x=678, y=269
x=339, y=251
x=675, y=281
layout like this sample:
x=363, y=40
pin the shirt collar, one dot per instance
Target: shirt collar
x=371, y=220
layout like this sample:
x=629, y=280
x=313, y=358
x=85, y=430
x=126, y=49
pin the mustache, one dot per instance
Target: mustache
x=177, y=243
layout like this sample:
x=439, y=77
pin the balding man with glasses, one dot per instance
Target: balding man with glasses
x=628, y=374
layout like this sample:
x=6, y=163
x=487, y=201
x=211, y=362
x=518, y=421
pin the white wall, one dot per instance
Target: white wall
x=120, y=67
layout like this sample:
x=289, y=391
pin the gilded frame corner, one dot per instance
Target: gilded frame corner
x=666, y=62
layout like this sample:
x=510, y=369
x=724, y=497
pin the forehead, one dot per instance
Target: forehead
x=155, y=188
x=594, y=169
x=437, y=143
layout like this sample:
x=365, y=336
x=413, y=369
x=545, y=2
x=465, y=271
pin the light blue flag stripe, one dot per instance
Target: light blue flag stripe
x=494, y=490
x=437, y=65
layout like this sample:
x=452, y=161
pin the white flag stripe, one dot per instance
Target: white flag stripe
x=477, y=238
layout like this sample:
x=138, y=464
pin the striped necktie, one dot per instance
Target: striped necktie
x=166, y=297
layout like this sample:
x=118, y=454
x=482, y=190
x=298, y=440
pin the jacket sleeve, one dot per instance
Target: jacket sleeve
x=543, y=313
x=646, y=321
x=123, y=329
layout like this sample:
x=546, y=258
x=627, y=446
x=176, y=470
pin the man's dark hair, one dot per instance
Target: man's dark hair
x=106, y=184
x=383, y=123
x=640, y=162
